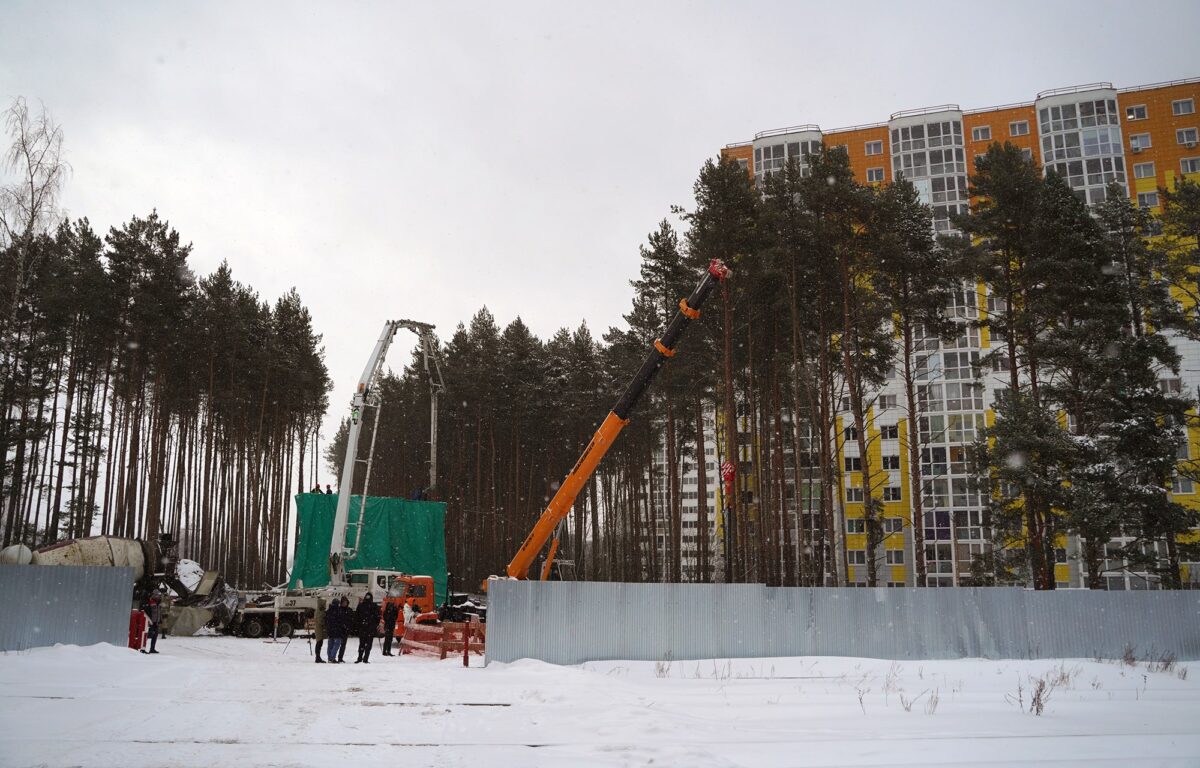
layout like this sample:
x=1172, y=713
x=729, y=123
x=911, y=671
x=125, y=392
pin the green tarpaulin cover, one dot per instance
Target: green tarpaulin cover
x=399, y=535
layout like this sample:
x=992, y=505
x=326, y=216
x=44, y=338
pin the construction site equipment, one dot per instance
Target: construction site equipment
x=564, y=498
x=365, y=396
x=138, y=554
x=400, y=537
x=155, y=565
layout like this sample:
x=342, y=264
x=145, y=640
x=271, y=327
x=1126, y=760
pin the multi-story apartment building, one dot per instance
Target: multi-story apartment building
x=1143, y=138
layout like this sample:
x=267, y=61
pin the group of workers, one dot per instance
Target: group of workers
x=337, y=623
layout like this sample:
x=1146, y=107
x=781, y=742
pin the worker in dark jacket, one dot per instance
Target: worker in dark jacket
x=390, y=615
x=319, y=632
x=337, y=627
x=346, y=628
x=333, y=624
x=367, y=625
x=153, y=617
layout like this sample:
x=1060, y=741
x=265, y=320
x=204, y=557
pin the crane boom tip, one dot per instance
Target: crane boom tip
x=717, y=269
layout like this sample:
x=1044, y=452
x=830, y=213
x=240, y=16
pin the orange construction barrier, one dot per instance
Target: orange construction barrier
x=439, y=640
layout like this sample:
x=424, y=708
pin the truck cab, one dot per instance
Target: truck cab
x=416, y=590
x=392, y=584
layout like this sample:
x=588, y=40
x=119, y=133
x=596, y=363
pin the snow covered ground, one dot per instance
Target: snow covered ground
x=209, y=701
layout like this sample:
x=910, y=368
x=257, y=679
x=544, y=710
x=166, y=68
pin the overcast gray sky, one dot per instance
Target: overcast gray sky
x=404, y=160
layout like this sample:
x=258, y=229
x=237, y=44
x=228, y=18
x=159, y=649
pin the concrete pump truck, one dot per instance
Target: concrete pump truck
x=382, y=584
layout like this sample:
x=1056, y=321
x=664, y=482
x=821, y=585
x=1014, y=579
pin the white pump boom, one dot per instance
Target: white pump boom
x=339, y=551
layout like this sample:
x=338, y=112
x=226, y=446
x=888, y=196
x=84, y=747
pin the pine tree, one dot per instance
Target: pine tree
x=1179, y=249
x=1006, y=190
x=842, y=210
x=918, y=279
x=724, y=226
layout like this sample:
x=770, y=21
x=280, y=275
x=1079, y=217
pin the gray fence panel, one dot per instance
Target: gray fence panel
x=1105, y=623
x=572, y=622
x=41, y=605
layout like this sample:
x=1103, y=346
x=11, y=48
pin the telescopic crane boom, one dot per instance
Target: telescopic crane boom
x=339, y=551
x=560, y=505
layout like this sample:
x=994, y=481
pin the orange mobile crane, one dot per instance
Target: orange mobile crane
x=559, y=506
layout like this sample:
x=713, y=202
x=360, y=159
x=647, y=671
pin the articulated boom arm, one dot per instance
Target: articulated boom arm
x=618, y=417
x=339, y=551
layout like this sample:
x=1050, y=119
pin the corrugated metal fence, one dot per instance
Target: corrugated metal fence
x=46, y=604
x=573, y=622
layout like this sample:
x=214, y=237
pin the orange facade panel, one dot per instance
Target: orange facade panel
x=869, y=150
x=740, y=152
x=1160, y=113
x=1016, y=124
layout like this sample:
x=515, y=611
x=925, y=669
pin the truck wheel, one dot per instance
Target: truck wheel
x=285, y=628
x=253, y=627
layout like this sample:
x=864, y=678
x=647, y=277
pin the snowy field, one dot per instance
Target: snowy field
x=215, y=701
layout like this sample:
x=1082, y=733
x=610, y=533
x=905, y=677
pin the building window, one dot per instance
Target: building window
x=933, y=460
x=1143, y=170
x=854, y=495
x=1186, y=136
x=887, y=401
x=890, y=431
x=1018, y=128
x=856, y=556
x=850, y=433
x=1182, y=485
x=964, y=493
x=1190, y=165
x=891, y=462
x=1027, y=154
x=936, y=493
x=1139, y=141
x=1183, y=107
x=960, y=365
x=1147, y=199
x=965, y=428
x=891, y=493
x=964, y=396
x=895, y=557
x=875, y=175
x=1170, y=386
x=853, y=463
x=969, y=336
x=893, y=525
x=1137, y=112
x=982, y=133
x=856, y=525
x=874, y=148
